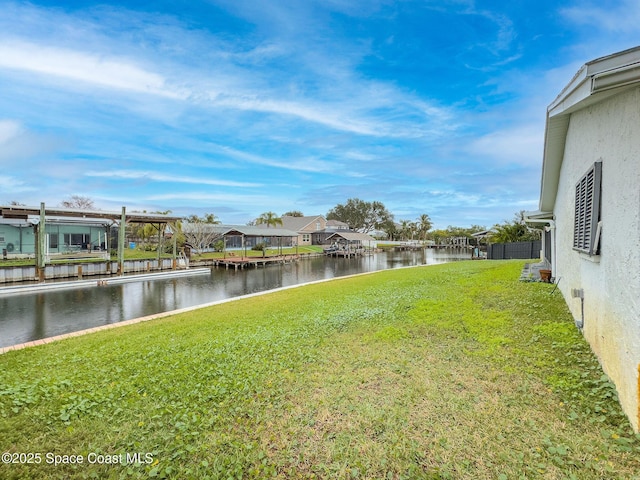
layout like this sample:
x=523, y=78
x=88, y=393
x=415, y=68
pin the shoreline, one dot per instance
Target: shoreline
x=133, y=321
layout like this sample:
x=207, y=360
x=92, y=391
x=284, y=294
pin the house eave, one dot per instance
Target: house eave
x=594, y=82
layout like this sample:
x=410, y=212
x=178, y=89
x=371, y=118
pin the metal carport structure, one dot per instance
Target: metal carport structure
x=117, y=218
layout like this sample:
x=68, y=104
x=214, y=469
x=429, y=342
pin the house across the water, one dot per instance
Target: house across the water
x=311, y=229
x=63, y=236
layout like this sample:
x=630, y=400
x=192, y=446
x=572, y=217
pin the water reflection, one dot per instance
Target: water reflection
x=34, y=316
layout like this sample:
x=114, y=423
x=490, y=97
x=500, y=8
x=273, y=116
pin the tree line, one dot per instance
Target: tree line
x=361, y=216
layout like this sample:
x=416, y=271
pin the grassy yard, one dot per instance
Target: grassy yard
x=447, y=371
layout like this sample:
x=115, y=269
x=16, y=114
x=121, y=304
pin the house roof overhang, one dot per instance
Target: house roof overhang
x=538, y=218
x=482, y=234
x=253, y=231
x=595, y=81
x=352, y=236
x=23, y=212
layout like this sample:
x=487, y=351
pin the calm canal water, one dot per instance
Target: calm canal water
x=28, y=317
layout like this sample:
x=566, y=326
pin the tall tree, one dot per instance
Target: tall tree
x=293, y=213
x=199, y=232
x=207, y=218
x=360, y=215
x=269, y=219
x=424, y=225
x=200, y=235
x=408, y=229
x=79, y=202
x=391, y=229
x=514, y=231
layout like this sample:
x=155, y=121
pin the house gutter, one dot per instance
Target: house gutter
x=595, y=81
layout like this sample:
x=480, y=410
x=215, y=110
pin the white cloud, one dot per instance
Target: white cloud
x=107, y=71
x=622, y=17
x=308, y=165
x=158, y=177
x=249, y=77
x=18, y=143
x=92, y=68
x=520, y=145
x=266, y=202
x=9, y=129
x=9, y=184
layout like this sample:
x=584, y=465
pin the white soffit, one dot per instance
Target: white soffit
x=595, y=81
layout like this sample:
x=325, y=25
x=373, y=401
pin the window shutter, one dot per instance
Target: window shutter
x=587, y=210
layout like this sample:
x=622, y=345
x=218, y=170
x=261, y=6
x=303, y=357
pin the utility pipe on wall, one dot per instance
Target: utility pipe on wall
x=579, y=293
x=551, y=227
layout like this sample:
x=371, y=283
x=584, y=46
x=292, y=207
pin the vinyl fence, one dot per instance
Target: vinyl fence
x=506, y=251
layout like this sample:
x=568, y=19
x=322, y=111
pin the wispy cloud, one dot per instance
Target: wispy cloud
x=159, y=177
x=304, y=165
x=519, y=145
x=12, y=185
x=431, y=107
x=99, y=70
x=17, y=143
x=623, y=16
x=9, y=129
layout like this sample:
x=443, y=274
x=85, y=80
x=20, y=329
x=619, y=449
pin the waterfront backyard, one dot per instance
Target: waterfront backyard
x=447, y=371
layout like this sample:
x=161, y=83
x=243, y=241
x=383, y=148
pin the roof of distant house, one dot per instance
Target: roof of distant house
x=296, y=223
x=353, y=236
x=247, y=230
x=337, y=224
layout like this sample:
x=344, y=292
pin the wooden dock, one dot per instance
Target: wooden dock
x=413, y=247
x=345, y=253
x=255, y=262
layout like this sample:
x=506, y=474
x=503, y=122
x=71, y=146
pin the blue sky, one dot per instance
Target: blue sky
x=239, y=107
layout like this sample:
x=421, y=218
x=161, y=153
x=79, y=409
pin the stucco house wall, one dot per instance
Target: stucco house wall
x=609, y=132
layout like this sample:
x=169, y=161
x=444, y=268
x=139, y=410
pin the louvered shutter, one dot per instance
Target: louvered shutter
x=587, y=210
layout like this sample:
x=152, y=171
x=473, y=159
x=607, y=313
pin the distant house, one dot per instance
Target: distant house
x=237, y=237
x=590, y=208
x=311, y=229
x=337, y=225
x=243, y=236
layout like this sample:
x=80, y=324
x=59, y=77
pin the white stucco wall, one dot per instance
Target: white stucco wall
x=609, y=132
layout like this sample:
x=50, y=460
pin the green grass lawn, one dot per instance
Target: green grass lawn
x=447, y=371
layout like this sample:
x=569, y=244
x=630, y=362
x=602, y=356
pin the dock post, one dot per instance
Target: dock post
x=41, y=245
x=121, y=240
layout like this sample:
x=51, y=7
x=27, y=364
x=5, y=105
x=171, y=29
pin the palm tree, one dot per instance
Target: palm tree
x=268, y=219
x=407, y=229
x=424, y=225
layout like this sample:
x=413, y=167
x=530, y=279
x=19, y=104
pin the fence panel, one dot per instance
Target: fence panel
x=514, y=250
